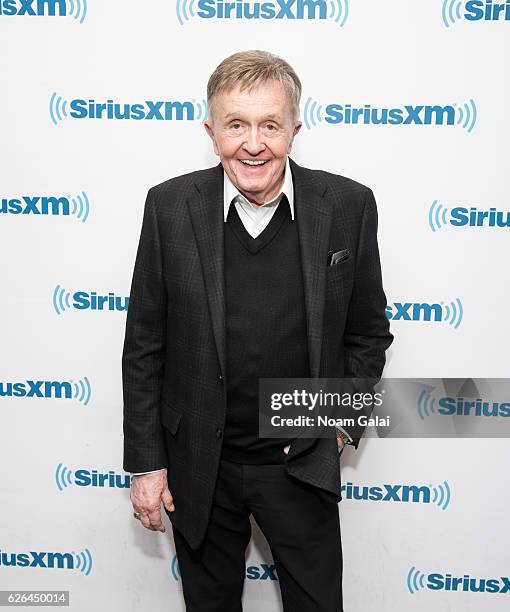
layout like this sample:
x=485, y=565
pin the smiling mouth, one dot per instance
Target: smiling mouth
x=254, y=163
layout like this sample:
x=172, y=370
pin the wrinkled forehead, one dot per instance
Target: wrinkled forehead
x=265, y=100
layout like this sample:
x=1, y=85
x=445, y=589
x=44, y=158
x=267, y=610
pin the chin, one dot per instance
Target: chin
x=252, y=186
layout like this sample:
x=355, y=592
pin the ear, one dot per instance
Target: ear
x=209, y=129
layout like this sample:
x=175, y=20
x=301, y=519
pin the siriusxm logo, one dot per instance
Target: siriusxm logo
x=47, y=8
x=53, y=389
x=83, y=300
x=81, y=561
x=429, y=405
x=148, y=110
x=58, y=206
x=174, y=569
x=462, y=115
x=474, y=10
x=263, y=571
x=439, y=495
x=451, y=313
x=64, y=477
x=461, y=216
x=310, y=10
x=417, y=580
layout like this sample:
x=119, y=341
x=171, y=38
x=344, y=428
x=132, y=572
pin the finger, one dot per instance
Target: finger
x=144, y=519
x=286, y=449
x=168, y=500
x=155, y=520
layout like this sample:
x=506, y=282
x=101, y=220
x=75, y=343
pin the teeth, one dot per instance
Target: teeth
x=253, y=162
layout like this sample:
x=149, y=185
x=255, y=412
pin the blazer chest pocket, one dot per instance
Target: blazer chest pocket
x=339, y=262
x=170, y=418
x=337, y=257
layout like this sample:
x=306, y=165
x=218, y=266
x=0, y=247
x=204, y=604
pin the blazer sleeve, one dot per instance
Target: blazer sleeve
x=143, y=357
x=367, y=335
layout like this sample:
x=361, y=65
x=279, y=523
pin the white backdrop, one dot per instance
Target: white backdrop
x=366, y=52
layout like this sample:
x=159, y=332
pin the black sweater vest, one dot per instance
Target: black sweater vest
x=265, y=327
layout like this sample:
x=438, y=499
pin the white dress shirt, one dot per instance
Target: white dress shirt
x=255, y=218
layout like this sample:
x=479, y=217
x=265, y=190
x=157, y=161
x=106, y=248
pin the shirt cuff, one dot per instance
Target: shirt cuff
x=150, y=472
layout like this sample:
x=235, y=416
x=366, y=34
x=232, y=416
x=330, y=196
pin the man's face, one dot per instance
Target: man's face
x=253, y=125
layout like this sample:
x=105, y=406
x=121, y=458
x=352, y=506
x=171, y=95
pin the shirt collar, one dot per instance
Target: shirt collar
x=230, y=192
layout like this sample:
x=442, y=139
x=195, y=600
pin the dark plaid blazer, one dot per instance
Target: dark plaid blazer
x=173, y=361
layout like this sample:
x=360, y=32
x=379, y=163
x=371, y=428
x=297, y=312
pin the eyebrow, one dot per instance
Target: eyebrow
x=238, y=114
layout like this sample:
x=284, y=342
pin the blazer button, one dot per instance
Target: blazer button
x=220, y=378
x=219, y=433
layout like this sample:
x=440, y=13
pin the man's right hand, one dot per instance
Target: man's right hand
x=147, y=493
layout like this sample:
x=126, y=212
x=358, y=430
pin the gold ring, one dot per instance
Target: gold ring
x=136, y=515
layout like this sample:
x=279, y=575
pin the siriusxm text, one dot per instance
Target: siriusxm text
x=406, y=115
x=149, y=110
x=37, y=388
x=447, y=582
x=83, y=300
x=35, y=205
x=461, y=216
x=387, y=493
x=93, y=478
x=37, y=559
x=33, y=7
x=409, y=311
x=459, y=406
x=477, y=10
x=279, y=9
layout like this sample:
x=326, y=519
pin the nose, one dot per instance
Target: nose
x=254, y=142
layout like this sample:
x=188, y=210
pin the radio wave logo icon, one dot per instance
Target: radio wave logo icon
x=81, y=206
x=442, y=495
x=339, y=11
x=83, y=561
x=415, y=580
x=77, y=9
x=201, y=109
x=426, y=405
x=63, y=477
x=184, y=10
x=61, y=299
x=58, y=108
x=466, y=115
x=82, y=390
x=437, y=216
x=451, y=12
x=174, y=568
x=312, y=113
x=454, y=312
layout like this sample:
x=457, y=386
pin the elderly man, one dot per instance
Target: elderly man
x=254, y=268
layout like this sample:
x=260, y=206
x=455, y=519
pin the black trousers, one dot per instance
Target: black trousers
x=302, y=530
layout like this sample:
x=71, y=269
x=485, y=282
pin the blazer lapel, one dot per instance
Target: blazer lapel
x=206, y=212
x=314, y=222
